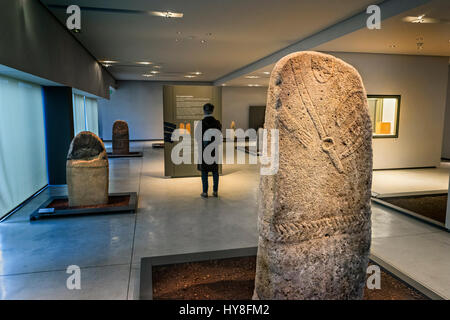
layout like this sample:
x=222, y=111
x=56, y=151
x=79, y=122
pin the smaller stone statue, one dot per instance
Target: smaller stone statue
x=87, y=171
x=233, y=130
x=120, y=137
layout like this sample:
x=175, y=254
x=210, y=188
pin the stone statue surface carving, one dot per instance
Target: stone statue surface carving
x=314, y=213
x=87, y=171
x=120, y=137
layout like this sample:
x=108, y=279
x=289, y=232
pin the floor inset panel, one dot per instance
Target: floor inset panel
x=430, y=206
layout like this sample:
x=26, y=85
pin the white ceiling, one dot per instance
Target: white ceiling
x=237, y=32
x=436, y=39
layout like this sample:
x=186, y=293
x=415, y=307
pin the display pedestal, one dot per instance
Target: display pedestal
x=58, y=207
x=230, y=275
x=125, y=155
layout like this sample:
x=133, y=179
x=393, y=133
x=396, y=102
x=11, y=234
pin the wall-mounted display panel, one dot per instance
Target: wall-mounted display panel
x=183, y=105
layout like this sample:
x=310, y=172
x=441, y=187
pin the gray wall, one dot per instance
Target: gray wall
x=34, y=41
x=140, y=103
x=422, y=83
x=236, y=102
x=420, y=80
x=446, y=142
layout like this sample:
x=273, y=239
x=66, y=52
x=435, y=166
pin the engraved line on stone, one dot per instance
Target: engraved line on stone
x=327, y=142
x=287, y=231
x=303, y=136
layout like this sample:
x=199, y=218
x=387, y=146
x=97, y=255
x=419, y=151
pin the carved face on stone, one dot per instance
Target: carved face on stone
x=323, y=68
x=86, y=146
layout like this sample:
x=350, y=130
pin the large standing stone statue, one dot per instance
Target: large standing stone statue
x=87, y=171
x=120, y=137
x=314, y=213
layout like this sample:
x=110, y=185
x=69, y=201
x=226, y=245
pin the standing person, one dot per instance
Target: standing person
x=209, y=122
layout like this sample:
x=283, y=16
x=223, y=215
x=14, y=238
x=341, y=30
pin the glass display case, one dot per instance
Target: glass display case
x=384, y=111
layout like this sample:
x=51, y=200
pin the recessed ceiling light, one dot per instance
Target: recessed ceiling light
x=253, y=85
x=196, y=73
x=154, y=71
x=107, y=61
x=189, y=76
x=252, y=77
x=203, y=41
x=266, y=72
x=166, y=14
x=157, y=67
x=421, y=19
x=106, y=65
x=147, y=75
x=144, y=62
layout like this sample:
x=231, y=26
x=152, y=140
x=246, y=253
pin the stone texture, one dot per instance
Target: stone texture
x=314, y=214
x=120, y=137
x=87, y=171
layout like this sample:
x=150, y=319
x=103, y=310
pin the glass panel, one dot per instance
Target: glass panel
x=79, y=114
x=383, y=112
x=92, y=115
x=23, y=162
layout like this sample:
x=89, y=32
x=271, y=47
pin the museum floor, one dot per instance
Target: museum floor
x=172, y=218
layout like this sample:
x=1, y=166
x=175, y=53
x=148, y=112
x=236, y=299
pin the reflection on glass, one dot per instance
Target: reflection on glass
x=384, y=114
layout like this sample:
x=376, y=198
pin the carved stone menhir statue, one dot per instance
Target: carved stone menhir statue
x=120, y=137
x=314, y=213
x=87, y=171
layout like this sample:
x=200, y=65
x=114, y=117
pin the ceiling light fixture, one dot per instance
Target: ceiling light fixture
x=252, y=77
x=154, y=72
x=253, y=85
x=147, y=75
x=266, y=72
x=157, y=67
x=107, y=61
x=146, y=63
x=203, y=41
x=166, y=14
x=189, y=76
x=422, y=19
x=196, y=73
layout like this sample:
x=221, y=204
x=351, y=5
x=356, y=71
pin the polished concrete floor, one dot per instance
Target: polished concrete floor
x=173, y=219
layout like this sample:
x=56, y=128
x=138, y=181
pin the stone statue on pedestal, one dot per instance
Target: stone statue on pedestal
x=87, y=171
x=120, y=137
x=314, y=213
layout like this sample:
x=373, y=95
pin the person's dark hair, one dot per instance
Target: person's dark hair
x=208, y=108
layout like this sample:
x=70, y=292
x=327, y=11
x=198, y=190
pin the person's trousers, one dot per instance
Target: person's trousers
x=215, y=174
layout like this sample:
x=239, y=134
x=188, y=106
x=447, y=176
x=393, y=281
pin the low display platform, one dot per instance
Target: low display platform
x=58, y=207
x=429, y=206
x=136, y=154
x=230, y=274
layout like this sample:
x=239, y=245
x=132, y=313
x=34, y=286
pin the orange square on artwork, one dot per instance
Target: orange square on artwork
x=383, y=128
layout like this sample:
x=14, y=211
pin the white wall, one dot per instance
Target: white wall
x=422, y=83
x=236, y=102
x=446, y=142
x=140, y=103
